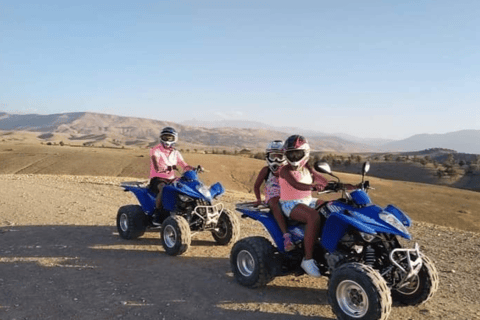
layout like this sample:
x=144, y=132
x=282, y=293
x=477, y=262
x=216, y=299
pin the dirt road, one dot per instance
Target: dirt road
x=60, y=258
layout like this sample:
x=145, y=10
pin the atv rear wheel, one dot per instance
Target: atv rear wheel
x=228, y=228
x=175, y=235
x=131, y=222
x=421, y=288
x=357, y=291
x=250, y=260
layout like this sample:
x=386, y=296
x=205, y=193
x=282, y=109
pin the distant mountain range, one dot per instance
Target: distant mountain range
x=465, y=141
x=96, y=128
x=307, y=133
x=104, y=129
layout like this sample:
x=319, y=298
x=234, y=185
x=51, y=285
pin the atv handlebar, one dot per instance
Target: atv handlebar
x=333, y=187
x=200, y=169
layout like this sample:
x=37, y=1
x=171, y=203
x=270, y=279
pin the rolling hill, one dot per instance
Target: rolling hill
x=110, y=130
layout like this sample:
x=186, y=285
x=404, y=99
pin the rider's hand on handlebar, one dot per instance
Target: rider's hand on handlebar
x=317, y=187
x=364, y=185
x=335, y=186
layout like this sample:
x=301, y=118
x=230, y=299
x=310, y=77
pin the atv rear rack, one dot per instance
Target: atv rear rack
x=251, y=206
x=134, y=183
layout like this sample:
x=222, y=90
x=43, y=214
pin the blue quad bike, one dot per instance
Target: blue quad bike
x=358, y=251
x=189, y=207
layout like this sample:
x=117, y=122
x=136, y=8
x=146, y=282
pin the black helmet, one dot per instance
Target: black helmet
x=297, y=150
x=168, y=137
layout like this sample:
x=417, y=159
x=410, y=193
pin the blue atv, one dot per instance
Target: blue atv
x=188, y=206
x=358, y=251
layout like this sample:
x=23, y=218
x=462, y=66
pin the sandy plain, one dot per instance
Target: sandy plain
x=61, y=258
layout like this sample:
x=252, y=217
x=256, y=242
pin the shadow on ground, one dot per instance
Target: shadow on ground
x=85, y=272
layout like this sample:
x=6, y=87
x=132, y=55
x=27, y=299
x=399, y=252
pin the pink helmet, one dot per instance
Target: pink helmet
x=274, y=155
x=297, y=150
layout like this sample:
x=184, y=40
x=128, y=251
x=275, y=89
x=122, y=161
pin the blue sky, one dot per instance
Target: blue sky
x=384, y=69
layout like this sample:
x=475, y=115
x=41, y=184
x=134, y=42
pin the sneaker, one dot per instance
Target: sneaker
x=311, y=268
x=156, y=218
x=287, y=242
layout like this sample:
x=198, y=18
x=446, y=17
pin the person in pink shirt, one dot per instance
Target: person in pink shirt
x=164, y=159
x=297, y=181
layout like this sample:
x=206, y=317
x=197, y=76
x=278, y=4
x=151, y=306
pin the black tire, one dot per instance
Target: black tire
x=175, y=235
x=357, y=291
x=422, y=288
x=251, y=261
x=227, y=230
x=131, y=222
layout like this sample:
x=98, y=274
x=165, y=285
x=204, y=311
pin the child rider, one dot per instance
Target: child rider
x=269, y=174
x=164, y=159
x=297, y=181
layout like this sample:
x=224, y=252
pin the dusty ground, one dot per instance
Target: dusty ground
x=60, y=258
x=423, y=202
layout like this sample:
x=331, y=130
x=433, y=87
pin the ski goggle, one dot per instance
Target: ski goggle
x=276, y=157
x=295, y=155
x=168, y=137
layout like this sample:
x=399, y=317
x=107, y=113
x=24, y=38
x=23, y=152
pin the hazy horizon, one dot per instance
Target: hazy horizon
x=368, y=69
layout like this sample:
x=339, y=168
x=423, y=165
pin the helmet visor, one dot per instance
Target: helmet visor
x=276, y=157
x=295, y=155
x=167, y=137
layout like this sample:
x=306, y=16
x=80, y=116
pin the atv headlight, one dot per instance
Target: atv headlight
x=184, y=198
x=205, y=191
x=393, y=221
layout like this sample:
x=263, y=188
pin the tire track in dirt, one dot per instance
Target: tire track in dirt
x=239, y=183
x=33, y=164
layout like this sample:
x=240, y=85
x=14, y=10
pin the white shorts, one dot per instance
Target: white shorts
x=289, y=205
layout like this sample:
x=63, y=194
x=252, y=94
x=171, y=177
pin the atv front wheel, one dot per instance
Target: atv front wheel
x=228, y=228
x=357, y=291
x=251, y=260
x=421, y=287
x=175, y=235
x=131, y=222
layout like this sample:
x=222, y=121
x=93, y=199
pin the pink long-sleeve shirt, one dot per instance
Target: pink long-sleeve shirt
x=165, y=158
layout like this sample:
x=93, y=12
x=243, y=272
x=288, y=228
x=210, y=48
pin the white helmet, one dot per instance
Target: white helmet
x=297, y=151
x=274, y=155
x=168, y=137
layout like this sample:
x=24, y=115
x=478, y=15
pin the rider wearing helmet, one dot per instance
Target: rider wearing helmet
x=164, y=159
x=297, y=181
x=274, y=155
x=269, y=174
